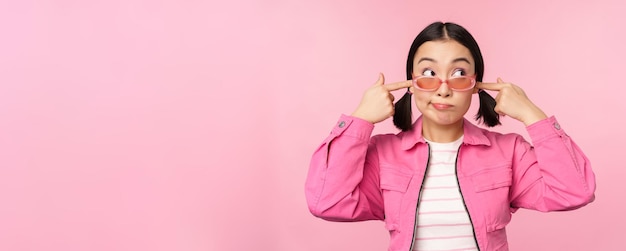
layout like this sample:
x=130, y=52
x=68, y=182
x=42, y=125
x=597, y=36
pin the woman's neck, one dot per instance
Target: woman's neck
x=442, y=133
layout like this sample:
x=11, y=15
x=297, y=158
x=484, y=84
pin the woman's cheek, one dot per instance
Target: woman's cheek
x=421, y=100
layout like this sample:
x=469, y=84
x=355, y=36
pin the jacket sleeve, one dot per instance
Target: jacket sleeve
x=554, y=175
x=343, y=180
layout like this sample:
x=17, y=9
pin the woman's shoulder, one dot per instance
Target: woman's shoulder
x=503, y=138
x=388, y=138
x=494, y=137
x=403, y=140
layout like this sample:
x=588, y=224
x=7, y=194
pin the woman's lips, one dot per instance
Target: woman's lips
x=441, y=106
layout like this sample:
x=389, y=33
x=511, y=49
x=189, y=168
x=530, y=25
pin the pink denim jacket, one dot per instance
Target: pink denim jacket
x=356, y=177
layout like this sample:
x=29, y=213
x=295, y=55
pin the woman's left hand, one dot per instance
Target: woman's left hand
x=513, y=102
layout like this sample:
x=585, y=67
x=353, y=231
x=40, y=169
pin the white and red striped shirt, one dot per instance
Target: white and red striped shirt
x=442, y=220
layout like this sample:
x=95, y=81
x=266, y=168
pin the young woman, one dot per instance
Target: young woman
x=444, y=183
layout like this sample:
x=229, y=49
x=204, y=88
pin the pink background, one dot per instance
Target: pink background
x=187, y=125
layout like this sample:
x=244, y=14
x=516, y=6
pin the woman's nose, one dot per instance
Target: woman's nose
x=444, y=90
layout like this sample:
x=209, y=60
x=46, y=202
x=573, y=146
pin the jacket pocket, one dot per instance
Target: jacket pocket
x=492, y=178
x=394, y=183
x=492, y=186
x=394, y=179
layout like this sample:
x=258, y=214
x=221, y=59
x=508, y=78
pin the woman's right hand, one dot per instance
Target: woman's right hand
x=377, y=102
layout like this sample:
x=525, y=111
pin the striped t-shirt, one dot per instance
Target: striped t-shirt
x=442, y=220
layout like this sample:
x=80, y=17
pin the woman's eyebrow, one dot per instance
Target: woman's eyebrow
x=426, y=59
x=435, y=61
x=461, y=60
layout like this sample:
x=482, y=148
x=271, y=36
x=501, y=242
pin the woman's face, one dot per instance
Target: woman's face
x=443, y=59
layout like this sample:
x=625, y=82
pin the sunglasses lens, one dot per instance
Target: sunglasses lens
x=427, y=83
x=460, y=83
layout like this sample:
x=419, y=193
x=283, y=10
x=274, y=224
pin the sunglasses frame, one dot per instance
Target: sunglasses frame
x=472, y=79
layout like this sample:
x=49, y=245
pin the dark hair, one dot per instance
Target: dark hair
x=443, y=31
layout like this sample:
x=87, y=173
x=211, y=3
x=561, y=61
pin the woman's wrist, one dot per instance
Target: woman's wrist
x=533, y=116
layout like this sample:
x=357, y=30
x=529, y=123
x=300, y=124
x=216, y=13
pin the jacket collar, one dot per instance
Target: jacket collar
x=472, y=135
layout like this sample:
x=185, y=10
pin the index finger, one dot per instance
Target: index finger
x=398, y=85
x=490, y=86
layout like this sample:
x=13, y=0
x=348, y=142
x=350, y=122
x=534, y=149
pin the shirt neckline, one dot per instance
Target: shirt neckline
x=454, y=143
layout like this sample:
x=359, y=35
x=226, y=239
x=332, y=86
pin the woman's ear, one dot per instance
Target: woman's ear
x=411, y=90
x=476, y=90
